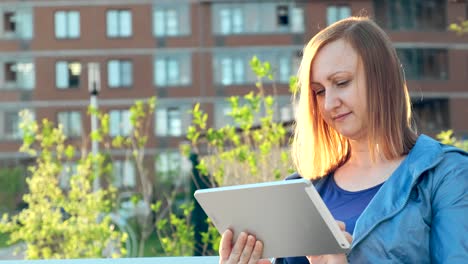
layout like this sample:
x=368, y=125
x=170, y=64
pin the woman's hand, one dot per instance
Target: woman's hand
x=332, y=258
x=246, y=250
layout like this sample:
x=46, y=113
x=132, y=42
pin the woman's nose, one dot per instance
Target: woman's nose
x=332, y=100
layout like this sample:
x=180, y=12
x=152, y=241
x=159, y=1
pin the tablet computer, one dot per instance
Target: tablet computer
x=289, y=217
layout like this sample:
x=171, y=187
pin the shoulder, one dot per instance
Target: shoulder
x=451, y=173
x=452, y=162
x=431, y=155
x=445, y=172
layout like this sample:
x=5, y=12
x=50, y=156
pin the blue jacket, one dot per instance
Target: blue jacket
x=418, y=215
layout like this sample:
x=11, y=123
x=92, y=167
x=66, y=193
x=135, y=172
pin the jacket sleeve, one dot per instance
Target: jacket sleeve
x=449, y=232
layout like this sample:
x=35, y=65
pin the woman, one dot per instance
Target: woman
x=403, y=197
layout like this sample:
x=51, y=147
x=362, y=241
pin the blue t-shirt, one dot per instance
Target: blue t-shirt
x=344, y=205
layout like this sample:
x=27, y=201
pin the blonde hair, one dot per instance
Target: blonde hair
x=317, y=148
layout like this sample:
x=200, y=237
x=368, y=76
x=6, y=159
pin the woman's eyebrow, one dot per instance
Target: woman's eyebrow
x=330, y=77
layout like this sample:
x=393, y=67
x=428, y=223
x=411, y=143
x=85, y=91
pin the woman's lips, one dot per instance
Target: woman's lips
x=340, y=117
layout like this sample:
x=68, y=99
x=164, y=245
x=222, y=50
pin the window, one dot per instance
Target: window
x=68, y=170
x=168, y=122
x=172, y=166
x=283, y=109
x=335, y=13
x=9, y=22
x=284, y=71
x=411, y=14
x=170, y=71
x=16, y=23
x=232, y=70
x=286, y=113
x=282, y=15
x=119, y=123
x=431, y=114
x=124, y=174
x=425, y=64
x=67, y=74
x=262, y=17
x=232, y=20
x=233, y=67
x=223, y=115
x=119, y=73
x=11, y=125
x=168, y=165
x=67, y=24
x=119, y=23
x=71, y=122
x=10, y=72
x=19, y=75
x=171, y=20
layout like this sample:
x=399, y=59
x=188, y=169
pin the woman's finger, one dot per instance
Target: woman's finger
x=238, y=248
x=319, y=259
x=247, y=252
x=257, y=252
x=226, y=245
x=348, y=237
x=342, y=225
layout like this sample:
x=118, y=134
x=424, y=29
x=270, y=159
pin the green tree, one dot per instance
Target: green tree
x=62, y=224
x=11, y=186
x=253, y=149
x=134, y=145
x=460, y=28
x=447, y=137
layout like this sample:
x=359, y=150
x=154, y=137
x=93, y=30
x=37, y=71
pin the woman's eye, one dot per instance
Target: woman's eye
x=342, y=83
x=319, y=92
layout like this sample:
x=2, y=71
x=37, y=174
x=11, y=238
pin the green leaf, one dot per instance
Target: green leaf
x=70, y=152
x=293, y=84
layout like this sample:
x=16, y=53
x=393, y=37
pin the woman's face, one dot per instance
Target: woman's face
x=338, y=82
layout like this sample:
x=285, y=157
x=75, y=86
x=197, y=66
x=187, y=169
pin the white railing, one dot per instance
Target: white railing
x=158, y=260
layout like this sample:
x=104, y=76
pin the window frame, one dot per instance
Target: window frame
x=120, y=167
x=164, y=127
x=339, y=12
x=69, y=72
x=263, y=17
x=66, y=25
x=182, y=21
x=121, y=64
x=18, y=75
x=69, y=123
x=165, y=77
x=124, y=126
x=415, y=66
x=119, y=34
x=430, y=16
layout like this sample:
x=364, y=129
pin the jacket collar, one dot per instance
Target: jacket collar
x=395, y=192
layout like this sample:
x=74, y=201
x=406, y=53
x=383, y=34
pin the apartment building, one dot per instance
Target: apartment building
x=189, y=51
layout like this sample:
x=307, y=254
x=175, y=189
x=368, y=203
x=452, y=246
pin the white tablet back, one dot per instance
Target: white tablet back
x=288, y=216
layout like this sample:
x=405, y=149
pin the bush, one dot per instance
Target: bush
x=59, y=224
x=12, y=182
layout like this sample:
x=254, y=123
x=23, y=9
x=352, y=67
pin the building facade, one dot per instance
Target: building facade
x=190, y=51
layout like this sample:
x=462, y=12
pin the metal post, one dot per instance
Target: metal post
x=94, y=85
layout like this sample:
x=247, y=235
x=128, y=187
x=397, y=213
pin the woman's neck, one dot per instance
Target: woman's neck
x=361, y=155
x=361, y=172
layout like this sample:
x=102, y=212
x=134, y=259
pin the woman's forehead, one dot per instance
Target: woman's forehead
x=337, y=56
